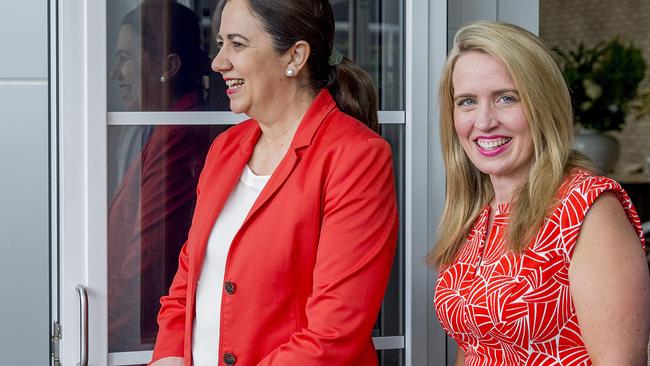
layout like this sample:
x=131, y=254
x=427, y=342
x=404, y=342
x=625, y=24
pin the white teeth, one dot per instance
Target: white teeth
x=234, y=83
x=492, y=144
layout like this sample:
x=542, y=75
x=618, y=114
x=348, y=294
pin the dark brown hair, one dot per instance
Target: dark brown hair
x=312, y=21
x=168, y=27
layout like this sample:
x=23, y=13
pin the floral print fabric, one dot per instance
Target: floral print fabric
x=507, y=309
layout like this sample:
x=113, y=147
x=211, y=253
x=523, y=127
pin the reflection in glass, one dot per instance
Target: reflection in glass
x=153, y=172
x=370, y=32
x=158, y=58
x=391, y=318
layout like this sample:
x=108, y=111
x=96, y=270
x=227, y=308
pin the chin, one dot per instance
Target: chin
x=130, y=106
x=236, y=110
x=236, y=107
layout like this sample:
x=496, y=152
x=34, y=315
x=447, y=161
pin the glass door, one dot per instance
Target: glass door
x=133, y=143
x=158, y=135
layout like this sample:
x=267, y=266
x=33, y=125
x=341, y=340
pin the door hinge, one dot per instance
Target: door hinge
x=55, y=343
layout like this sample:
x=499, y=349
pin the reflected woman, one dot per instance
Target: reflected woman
x=153, y=169
x=540, y=260
x=295, y=226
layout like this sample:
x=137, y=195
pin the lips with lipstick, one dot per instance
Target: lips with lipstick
x=493, y=145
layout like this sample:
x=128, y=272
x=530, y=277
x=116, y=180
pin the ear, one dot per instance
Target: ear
x=172, y=65
x=298, y=55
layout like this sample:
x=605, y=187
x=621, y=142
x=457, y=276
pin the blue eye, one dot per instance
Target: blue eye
x=237, y=45
x=464, y=102
x=508, y=99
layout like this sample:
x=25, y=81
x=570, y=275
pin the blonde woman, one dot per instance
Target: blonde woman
x=540, y=260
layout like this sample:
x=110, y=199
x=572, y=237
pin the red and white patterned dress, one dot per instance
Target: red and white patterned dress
x=507, y=309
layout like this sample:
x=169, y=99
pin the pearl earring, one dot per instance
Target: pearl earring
x=290, y=73
x=163, y=78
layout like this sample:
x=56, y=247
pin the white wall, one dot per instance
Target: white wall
x=24, y=197
x=524, y=13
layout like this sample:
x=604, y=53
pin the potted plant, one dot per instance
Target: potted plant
x=603, y=80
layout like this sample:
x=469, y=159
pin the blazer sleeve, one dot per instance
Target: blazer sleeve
x=171, y=318
x=355, y=253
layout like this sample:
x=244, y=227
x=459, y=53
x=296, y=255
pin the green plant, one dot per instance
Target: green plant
x=641, y=105
x=603, y=80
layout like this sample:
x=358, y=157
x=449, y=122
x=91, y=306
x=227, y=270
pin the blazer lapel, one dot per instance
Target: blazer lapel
x=217, y=189
x=225, y=177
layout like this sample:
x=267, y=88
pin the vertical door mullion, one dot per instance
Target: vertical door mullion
x=425, y=46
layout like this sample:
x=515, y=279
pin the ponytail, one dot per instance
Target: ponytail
x=354, y=92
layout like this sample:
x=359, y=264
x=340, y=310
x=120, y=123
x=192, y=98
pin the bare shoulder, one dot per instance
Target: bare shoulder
x=609, y=283
x=606, y=221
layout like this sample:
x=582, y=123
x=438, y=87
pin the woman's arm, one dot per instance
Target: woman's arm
x=355, y=252
x=460, y=357
x=610, y=286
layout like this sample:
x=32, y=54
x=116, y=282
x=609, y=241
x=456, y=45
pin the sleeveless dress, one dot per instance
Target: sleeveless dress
x=508, y=309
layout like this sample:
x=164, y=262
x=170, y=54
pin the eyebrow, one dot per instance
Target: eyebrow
x=502, y=91
x=232, y=36
x=121, y=52
x=496, y=92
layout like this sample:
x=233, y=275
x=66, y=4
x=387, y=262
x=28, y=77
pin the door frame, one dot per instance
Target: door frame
x=81, y=26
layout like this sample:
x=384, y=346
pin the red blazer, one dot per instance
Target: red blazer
x=307, y=270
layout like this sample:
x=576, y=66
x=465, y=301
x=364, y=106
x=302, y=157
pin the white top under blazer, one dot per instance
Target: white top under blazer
x=206, y=328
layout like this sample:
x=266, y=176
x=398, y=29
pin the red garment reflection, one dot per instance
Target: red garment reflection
x=148, y=221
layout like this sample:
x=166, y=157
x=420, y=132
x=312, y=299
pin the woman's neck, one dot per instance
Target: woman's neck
x=280, y=124
x=277, y=133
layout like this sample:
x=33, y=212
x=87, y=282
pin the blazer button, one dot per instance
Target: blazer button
x=229, y=287
x=229, y=359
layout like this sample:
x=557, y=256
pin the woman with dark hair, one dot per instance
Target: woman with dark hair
x=159, y=57
x=295, y=226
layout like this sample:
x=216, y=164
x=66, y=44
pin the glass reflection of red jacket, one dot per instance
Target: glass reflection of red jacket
x=148, y=220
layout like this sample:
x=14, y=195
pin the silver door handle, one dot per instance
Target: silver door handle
x=83, y=325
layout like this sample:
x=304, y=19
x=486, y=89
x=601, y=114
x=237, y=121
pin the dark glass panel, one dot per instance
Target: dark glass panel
x=152, y=177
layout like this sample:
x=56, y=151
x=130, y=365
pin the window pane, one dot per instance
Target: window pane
x=370, y=32
x=391, y=317
x=391, y=357
x=152, y=177
x=159, y=56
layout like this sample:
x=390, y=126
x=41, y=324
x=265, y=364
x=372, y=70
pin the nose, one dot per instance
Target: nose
x=221, y=61
x=116, y=74
x=486, y=117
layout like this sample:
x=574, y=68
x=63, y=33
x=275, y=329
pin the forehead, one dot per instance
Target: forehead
x=128, y=38
x=480, y=69
x=238, y=18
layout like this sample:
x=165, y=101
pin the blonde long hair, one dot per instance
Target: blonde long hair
x=547, y=106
